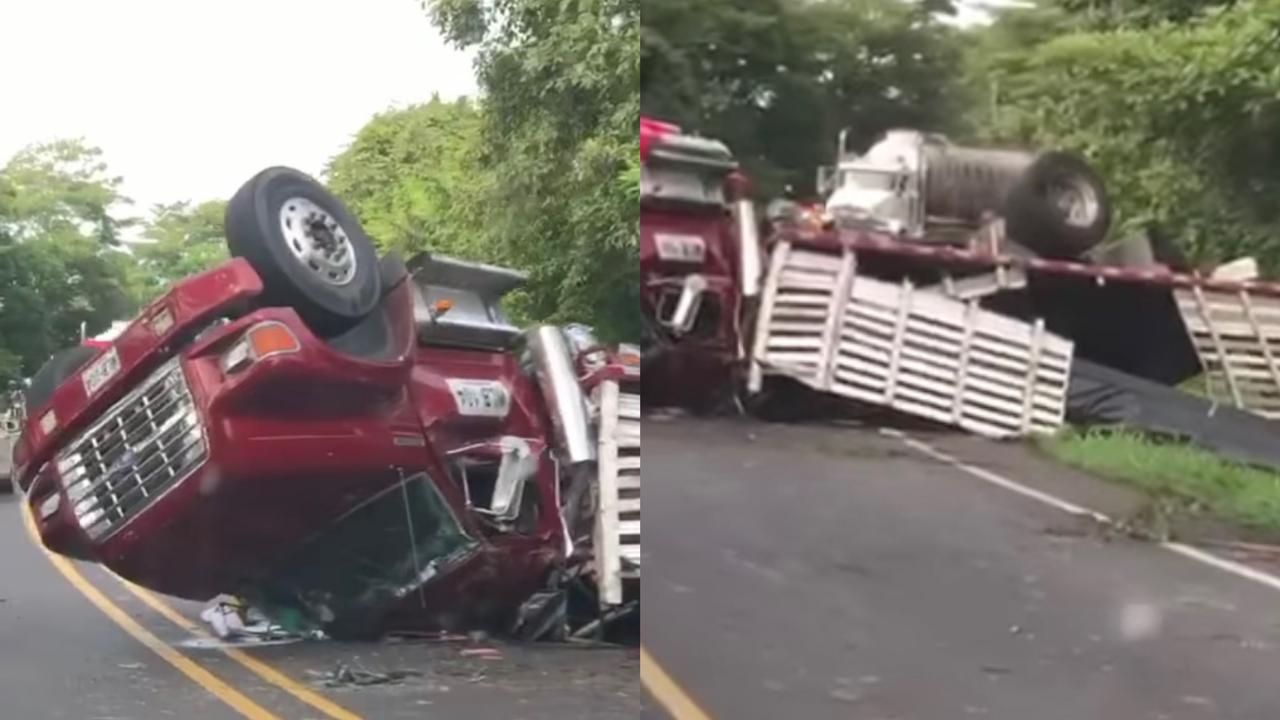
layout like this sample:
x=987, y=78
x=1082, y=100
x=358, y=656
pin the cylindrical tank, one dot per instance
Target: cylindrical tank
x=1053, y=203
x=964, y=183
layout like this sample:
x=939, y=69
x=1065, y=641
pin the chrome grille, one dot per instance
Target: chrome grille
x=142, y=446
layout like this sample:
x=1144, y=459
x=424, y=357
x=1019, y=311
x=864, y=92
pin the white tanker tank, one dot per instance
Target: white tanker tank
x=1053, y=203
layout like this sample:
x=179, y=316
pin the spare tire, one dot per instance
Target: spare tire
x=53, y=373
x=310, y=252
x=1058, y=207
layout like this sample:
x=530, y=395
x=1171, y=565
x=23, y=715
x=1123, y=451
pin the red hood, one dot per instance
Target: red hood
x=143, y=345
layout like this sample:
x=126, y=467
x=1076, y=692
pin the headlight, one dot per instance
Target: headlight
x=258, y=342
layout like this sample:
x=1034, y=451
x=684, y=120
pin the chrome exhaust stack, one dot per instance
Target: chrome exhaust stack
x=748, y=248
x=553, y=368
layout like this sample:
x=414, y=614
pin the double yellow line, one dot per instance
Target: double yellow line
x=197, y=673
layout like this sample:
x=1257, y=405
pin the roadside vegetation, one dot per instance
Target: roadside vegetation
x=541, y=172
x=1180, y=479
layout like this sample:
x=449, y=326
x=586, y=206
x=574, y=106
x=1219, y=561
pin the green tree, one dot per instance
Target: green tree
x=1181, y=118
x=560, y=143
x=414, y=178
x=778, y=79
x=182, y=240
x=1112, y=14
x=60, y=189
x=56, y=273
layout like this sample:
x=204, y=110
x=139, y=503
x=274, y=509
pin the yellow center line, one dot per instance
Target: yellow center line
x=183, y=664
x=254, y=665
x=666, y=691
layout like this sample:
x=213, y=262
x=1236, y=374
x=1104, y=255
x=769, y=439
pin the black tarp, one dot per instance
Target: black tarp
x=1098, y=395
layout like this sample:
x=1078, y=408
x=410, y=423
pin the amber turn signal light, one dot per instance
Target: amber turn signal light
x=271, y=339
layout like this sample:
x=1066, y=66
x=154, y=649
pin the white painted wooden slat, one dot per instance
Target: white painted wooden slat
x=782, y=327
x=605, y=538
x=794, y=358
x=794, y=313
x=629, y=406
x=766, y=314
x=1237, y=337
x=795, y=342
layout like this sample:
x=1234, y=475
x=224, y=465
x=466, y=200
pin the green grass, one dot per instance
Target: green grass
x=1193, y=480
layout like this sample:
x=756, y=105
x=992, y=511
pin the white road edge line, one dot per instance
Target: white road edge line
x=1187, y=551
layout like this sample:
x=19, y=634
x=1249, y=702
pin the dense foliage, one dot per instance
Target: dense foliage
x=559, y=145
x=542, y=174
x=64, y=269
x=1178, y=103
x=60, y=268
x=414, y=178
x=778, y=79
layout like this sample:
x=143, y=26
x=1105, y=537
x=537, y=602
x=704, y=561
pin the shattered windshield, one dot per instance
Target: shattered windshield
x=382, y=551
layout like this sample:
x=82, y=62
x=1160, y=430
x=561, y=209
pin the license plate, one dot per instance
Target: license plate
x=100, y=371
x=485, y=398
x=680, y=248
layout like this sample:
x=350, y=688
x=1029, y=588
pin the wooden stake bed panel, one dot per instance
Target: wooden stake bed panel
x=617, y=531
x=917, y=351
x=1236, y=333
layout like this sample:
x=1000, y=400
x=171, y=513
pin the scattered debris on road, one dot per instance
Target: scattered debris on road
x=347, y=676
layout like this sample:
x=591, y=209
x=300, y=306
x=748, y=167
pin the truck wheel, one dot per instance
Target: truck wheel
x=53, y=373
x=1059, y=207
x=310, y=252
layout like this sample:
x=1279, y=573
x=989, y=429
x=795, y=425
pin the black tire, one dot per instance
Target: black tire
x=329, y=300
x=1037, y=221
x=53, y=373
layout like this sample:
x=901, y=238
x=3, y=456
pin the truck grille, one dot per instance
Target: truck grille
x=143, y=445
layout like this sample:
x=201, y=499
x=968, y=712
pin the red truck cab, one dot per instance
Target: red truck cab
x=407, y=471
x=699, y=261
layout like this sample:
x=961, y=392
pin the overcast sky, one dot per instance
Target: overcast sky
x=188, y=98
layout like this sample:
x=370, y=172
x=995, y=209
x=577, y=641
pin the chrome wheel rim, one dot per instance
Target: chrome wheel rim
x=317, y=241
x=1075, y=200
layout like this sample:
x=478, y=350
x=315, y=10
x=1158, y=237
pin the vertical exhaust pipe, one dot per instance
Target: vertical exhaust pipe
x=748, y=248
x=553, y=367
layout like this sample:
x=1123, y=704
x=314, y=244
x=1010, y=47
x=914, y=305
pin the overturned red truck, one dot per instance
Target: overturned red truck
x=345, y=440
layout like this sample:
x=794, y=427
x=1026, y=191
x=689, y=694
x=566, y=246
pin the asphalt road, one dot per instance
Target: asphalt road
x=817, y=572
x=61, y=656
